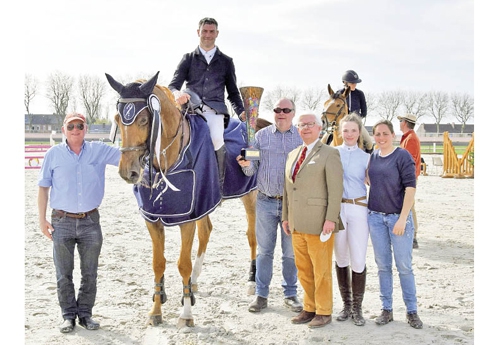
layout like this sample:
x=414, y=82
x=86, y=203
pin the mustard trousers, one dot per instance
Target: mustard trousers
x=313, y=259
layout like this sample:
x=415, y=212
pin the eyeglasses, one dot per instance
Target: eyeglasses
x=285, y=110
x=71, y=126
x=308, y=125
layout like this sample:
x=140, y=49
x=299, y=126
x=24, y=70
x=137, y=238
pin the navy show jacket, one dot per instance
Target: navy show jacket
x=209, y=81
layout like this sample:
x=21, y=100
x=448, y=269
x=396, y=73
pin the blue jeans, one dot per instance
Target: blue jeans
x=384, y=244
x=86, y=235
x=268, y=214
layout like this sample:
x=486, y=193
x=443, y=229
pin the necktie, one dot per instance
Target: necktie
x=299, y=163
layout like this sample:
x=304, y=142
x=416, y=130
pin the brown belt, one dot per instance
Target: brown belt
x=60, y=213
x=277, y=197
x=356, y=201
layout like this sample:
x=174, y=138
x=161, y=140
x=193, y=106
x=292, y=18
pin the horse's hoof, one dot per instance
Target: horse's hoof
x=185, y=323
x=194, y=287
x=155, y=320
x=251, y=288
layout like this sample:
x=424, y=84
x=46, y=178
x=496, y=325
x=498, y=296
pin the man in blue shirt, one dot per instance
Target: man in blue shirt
x=208, y=72
x=274, y=142
x=73, y=172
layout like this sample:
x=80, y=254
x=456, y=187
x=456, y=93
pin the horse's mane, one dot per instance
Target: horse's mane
x=165, y=90
x=169, y=94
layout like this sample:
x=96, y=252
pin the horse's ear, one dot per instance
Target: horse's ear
x=114, y=84
x=347, y=91
x=330, y=91
x=147, y=87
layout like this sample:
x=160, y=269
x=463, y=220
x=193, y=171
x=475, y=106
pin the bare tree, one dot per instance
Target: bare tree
x=371, y=104
x=389, y=103
x=59, y=92
x=30, y=91
x=438, y=105
x=92, y=92
x=279, y=92
x=415, y=103
x=462, y=108
x=313, y=98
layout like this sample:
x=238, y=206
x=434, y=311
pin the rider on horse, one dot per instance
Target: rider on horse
x=356, y=103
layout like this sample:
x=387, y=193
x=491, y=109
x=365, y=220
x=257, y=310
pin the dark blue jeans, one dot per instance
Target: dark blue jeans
x=86, y=235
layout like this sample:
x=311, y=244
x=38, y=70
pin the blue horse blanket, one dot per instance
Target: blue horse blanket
x=196, y=191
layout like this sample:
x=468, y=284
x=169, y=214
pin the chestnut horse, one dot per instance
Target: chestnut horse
x=335, y=108
x=169, y=158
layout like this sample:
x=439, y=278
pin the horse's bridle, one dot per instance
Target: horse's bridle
x=153, y=143
x=333, y=123
x=142, y=147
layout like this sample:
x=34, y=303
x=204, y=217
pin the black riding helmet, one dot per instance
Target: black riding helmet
x=351, y=77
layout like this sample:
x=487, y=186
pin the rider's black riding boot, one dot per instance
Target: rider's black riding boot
x=220, y=154
x=344, y=280
x=358, y=292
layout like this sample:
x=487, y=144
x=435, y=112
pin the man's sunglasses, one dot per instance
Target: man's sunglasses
x=71, y=126
x=285, y=110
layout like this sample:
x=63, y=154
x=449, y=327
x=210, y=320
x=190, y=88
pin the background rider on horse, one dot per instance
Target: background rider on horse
x=356, y=102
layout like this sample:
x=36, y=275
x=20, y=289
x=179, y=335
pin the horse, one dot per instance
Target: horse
x=335, y=108
x=168, y=157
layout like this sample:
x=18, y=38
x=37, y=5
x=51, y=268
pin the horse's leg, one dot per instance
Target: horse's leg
x=157, y=233
x=185, y=267
x=249, y=201
x=204, y=227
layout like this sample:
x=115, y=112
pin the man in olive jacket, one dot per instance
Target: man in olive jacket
x=311, y=207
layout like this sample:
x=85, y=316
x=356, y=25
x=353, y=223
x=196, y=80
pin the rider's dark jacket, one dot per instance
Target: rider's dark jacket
x=209, y=81
x=356, y=102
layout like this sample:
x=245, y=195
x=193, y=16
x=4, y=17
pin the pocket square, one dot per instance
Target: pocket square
x=311, y=162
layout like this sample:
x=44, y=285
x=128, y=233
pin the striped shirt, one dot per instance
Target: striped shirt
x=274, y=147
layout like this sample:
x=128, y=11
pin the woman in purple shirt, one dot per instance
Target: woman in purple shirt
x=392, y=182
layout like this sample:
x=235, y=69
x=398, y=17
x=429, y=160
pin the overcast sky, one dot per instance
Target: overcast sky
x=425, y=45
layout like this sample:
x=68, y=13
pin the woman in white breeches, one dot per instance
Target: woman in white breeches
x=352, y=243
